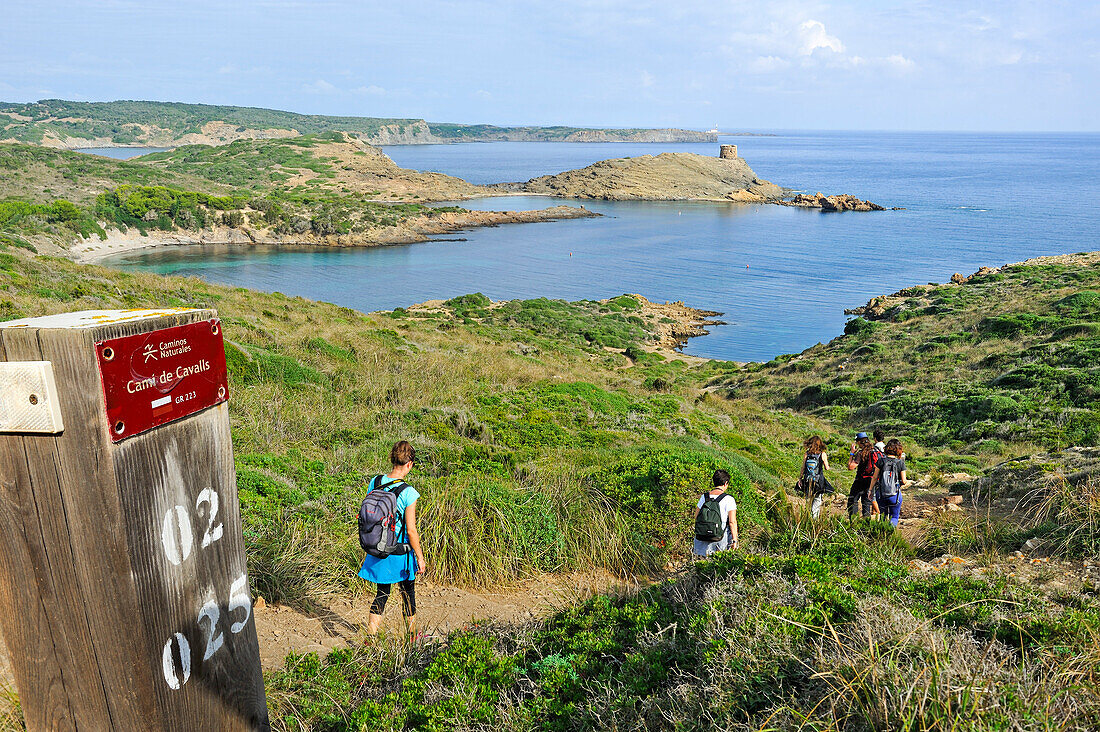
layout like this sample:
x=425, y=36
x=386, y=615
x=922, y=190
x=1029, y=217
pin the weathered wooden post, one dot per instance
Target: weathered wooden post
x=124, y=596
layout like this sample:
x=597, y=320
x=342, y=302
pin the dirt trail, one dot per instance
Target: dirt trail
x=440, y=610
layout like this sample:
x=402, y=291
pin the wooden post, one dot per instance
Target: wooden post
x=124, y=596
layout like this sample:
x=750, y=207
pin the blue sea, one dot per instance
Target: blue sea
x=781, y=276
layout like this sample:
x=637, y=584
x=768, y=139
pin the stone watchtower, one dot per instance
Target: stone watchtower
x=728, y=152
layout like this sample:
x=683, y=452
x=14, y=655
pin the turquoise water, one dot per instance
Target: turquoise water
x=782, y=276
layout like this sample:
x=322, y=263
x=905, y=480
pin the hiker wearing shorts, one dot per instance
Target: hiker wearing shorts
x=397, y=568
x=720, y=533
x=863, y=459
x=812, y=482
x=889, y=479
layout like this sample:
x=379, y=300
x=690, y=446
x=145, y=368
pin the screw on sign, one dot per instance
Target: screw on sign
x=124, y=514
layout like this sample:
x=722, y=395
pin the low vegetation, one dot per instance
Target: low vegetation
x=998, y=363
x=139, y=122
x=53, y=197
x=539, y=453
x=815, y=626
x=131, y=122
x=553, y=438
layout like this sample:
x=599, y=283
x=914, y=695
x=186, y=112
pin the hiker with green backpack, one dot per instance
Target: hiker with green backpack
x=388, y=534
x=715, y=518
x=812, y=483
x=889, y=479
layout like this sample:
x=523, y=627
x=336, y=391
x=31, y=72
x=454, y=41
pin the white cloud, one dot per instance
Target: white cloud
x=768, y=64
x=648, y=79
x=482, y=94
x=372, y=89
x=811, y=35
x=901, y=63
x=319, y=87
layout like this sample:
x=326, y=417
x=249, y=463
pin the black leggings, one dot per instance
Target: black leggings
x=408, y=597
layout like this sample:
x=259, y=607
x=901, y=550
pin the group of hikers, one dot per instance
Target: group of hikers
x=876, y=490
x=389, y=536
x=880, y=476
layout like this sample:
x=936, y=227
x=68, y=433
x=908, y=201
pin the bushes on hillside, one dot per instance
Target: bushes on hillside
x=832, y=633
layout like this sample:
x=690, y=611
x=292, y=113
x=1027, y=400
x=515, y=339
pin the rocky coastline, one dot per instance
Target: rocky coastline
x=840, y=202
x=411, y=231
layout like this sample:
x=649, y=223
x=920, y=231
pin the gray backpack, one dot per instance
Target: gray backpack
x=378, y=519
x=889, y=483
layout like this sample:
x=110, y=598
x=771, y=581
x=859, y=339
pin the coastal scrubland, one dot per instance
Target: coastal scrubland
x=559, y=436
x=62, y=123
x=324, y=190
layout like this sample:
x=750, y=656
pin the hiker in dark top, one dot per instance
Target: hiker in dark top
x=863, y=459
x=715, y=527
x=400, y=568
x=889, y=479
x=812, y=481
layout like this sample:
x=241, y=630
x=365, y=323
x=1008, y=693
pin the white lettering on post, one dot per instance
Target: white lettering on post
x=168, y=662
x=239, y=599
x=213, y=533
x=176, y=535
x=214, y=639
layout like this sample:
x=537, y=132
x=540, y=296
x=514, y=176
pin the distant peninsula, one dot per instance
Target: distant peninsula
x=72, y=125
x=664, y=177
x=328, y=190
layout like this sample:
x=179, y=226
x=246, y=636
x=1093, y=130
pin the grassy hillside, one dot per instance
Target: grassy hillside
x=996, y=364
x=169, y=123
x=552, y=438
x=583, y=458
x=122, y=121
x=305, y=188
x=812, y=627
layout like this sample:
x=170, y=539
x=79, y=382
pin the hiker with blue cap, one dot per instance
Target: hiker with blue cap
x=863, y=459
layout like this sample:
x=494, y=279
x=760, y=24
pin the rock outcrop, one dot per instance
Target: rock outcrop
x=664, y=177
x=842, y=202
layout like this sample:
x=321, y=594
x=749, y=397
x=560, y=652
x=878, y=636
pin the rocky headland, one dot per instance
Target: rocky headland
x=664, y=177
x=679, y=177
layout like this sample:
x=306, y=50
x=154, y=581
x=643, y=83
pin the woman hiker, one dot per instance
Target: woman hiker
x=863, y=459
x=715, y=518
x=812, y=482
x=399, y=568
x=889, y=479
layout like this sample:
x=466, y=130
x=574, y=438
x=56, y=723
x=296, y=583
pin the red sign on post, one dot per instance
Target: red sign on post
x=154, y=378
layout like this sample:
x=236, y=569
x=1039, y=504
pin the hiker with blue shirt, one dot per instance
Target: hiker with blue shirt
x=889, y=479
x=398, y=556
x=715, y=518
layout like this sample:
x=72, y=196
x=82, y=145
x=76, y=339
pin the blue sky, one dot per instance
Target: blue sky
x=1005, y=65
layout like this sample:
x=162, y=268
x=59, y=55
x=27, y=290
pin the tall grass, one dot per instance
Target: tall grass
x=483, y=529
x=964, y=533
x=889, y=670
x=841, y=638
x=1067, y=516
x=301, y=561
